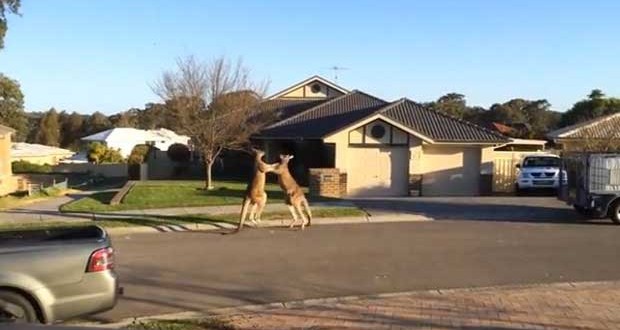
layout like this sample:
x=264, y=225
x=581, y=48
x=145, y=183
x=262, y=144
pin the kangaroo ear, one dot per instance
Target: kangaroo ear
x=290, y=157
x=282, y=157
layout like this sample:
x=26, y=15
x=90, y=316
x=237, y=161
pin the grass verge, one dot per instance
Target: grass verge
x=205, y=324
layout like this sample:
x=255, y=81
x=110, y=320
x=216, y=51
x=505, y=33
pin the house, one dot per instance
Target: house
x=125, y=139
x=8, y=183
x=357, y=144
x=38, y=153
x=599, y=134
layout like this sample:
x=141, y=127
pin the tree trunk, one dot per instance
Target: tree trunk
x=209, y=182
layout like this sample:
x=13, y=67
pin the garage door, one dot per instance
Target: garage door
x=451, y=171
x=378, y=171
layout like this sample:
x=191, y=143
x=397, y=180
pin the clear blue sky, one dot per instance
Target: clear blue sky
x=102, y=55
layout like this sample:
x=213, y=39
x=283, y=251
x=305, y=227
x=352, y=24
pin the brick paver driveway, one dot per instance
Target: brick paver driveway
x=556, y=306
x=535, y=209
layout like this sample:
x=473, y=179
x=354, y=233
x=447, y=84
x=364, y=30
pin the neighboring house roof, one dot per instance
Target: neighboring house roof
x=21, y=149
x=6, y=129
x=326, y=117
x=501, y=128
x=599, y=128
x=438, y=126
x=126, y=132
x=285, y=108
x=307, y=81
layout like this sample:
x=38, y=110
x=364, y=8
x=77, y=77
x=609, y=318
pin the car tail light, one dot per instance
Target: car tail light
x=100, y=260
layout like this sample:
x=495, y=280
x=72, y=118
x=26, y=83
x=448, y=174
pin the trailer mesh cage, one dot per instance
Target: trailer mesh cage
x=604, y=172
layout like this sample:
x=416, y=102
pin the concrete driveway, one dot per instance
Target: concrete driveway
x=543, y=209
x=45, y=210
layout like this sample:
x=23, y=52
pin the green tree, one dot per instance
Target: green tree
x=10, y=6
x=49, y=129
x=99, y=153
x=124, y=119
x=453, y=104
x=72, y=129
x=12, y=107
x=536, y=115
x=596, y=105
x=138, y=154
x=179, y=152
x=96, y=123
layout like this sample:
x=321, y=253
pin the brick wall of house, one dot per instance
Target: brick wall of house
x=327, y=182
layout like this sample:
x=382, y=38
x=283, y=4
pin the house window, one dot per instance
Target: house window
x=315, y=88
x=377, y=131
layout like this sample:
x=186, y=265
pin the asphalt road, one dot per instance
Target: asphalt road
x=164, y=273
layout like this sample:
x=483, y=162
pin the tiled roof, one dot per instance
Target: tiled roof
x=21, y=149
x=501, y=128
x=326, y=117
x=599, y=128
x=285, y=108
x=438, y=126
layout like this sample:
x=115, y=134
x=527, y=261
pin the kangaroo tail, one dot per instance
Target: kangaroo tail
x=244, y=212
x=308, y=212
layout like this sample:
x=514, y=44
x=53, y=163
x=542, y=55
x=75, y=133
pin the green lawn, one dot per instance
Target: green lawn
x=332, y=212
x=162, y=194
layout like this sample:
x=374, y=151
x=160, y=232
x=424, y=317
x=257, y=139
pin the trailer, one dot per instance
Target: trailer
x=593, y=184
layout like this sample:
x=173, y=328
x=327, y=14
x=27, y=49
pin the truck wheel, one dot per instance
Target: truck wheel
x=15, y=308
x=614, y=212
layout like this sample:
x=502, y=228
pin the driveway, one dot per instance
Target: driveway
x=45, y=210
x=198, y=271
x=512, y=209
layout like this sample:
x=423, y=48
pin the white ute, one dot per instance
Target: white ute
x=539, y=172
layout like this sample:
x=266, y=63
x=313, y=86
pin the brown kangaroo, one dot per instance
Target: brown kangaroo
x=294, y=195
x=255, y=194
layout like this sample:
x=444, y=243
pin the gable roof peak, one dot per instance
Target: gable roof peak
x=306, y=81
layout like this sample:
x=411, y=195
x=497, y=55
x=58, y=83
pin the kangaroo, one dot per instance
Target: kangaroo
x=255, y=195
x=294, y=195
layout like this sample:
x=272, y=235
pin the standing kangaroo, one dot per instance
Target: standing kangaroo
x=294, y=195
x=255, y=195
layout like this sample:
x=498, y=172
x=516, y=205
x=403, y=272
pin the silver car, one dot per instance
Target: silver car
x=53, y=275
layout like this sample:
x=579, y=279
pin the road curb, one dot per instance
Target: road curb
x=163, y=228
x=231, y=311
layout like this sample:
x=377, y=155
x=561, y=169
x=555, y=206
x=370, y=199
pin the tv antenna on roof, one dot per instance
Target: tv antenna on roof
x=336, y=69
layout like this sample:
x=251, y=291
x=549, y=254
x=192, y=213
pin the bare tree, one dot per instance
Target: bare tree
x=216, y=103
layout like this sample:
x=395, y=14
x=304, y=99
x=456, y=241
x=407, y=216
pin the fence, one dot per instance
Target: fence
x=105, y=170
x=35, y=188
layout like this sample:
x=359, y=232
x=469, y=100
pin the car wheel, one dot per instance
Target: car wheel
x=15, y=308
x=614, y=212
